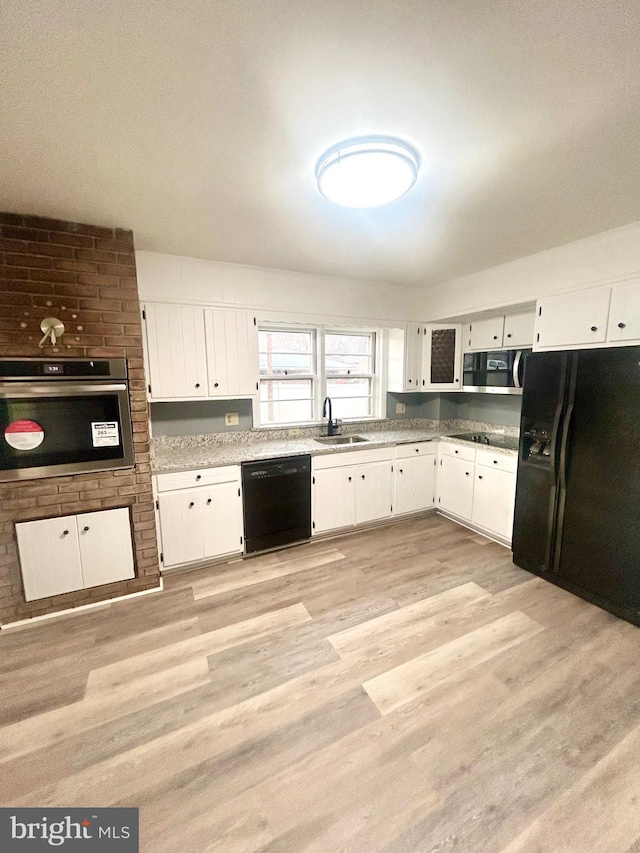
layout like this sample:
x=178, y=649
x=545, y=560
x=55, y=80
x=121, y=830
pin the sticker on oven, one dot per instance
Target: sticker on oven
x=24, y=435
x=105, y=433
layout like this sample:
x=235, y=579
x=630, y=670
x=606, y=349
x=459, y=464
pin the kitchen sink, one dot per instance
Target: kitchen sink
x=341, y=439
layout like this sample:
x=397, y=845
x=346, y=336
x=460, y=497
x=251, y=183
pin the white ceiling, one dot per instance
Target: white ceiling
x=198, y=123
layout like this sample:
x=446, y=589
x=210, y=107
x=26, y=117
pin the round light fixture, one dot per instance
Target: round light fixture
x=367, y=172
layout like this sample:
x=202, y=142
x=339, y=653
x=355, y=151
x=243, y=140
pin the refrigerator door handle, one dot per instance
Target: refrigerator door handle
x=563, y=447
x=554, y=441
x=516, y=369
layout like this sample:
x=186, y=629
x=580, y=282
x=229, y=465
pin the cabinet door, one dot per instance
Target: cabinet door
x=49, y=557
x=232, y=352
x=414, y=484
x=106, y=550
x=573, y=320
x=494, y=496
x=181, y=526
x=334, y=503
x=518, y=330
x=413, y=357
x=442, y=358
x=177, y=361
x=486, y=334
x=624, y=317
x=374, y=484
x=222, y=513
x=455, y=486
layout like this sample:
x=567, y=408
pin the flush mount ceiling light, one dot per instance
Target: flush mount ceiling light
x=367, y=172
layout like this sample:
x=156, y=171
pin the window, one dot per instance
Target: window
x=349, y=370
x=300, y=367
x=287, y=376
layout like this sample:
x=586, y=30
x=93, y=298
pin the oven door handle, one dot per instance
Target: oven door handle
x=57, y=389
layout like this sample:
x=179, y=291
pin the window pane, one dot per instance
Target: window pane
x=286, y=389
x=285, y=364
x=352, y=407
x=340, y=365
x=348, y=388
x=344, y=343
x=292, y=411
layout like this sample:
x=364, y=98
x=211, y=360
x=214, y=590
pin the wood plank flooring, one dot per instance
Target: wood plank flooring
x=399, y=690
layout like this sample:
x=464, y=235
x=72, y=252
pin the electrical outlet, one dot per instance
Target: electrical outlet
x=292, y=433
x=231, y=419
x=400, y=408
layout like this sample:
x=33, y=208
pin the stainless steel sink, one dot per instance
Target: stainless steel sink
x=341, y=439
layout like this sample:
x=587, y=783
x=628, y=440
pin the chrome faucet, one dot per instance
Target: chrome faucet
x=332, y=426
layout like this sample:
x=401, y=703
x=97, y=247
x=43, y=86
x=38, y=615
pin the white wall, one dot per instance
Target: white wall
x=171, y=278
x=601, y=259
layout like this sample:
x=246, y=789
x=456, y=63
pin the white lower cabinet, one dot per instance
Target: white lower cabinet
x=199, y=522
x=494, y=494
x=351, y=488
x=59, y=555
x=334, y=502
x=414, y=481
x=455, y=486
x=478, y=486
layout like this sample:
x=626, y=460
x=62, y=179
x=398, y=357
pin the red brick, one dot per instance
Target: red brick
x=55, y=276
x=118, y=245
x=96, y=255
x=11, y=219
x=77, y=241
x=49, y=250
x=18, y=233
x=116, y=269
x=118, y=317
x=30, y=261
x=75, y=266
x=13, y=272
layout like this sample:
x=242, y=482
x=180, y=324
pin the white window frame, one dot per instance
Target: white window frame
x=370, y=333
x=319, y=379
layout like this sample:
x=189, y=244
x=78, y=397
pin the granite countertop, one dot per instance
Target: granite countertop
x=213, y=455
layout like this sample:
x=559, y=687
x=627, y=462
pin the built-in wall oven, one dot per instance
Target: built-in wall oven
x=494, y=372
x=64, y=416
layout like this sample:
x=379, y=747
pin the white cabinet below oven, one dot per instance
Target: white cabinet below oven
x=59, y=555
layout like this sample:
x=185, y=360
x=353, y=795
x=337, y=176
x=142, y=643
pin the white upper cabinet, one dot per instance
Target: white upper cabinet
x=441, y=358
x=177, y=361
x=624, y=316
x=232, y=352
x=518, y=330
x=511, y=331
x=486, y=334
x=200, y=353
x=573, y=319
x=413, y=357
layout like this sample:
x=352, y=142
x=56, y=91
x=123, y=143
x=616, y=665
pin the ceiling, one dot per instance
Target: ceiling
x=198, y=124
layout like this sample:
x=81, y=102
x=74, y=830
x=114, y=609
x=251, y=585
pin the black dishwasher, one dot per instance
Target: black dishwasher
x=277, y=502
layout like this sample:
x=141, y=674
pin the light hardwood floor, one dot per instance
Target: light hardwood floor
x=402, y=690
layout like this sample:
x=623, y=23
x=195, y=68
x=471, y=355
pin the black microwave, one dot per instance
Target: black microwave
x=494, y=372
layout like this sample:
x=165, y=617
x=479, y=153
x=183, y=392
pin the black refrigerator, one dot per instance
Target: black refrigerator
x=577, y=514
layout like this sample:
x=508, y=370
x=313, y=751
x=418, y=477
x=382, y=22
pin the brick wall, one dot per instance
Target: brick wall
x=86, y=276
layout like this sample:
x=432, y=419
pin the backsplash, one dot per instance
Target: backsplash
x=165, y=443
x=495, y=409
x=199, y=417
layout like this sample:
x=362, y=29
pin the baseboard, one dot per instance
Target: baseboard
x=506, y=543
x=71, y=610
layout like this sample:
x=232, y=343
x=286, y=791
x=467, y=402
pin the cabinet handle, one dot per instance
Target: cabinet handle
x=622, y=325
x=191, y=504
x=509, y=335
x=400, y=469
x=466, y=473
x=65, y=532
x=363, y=476
x=208, y=501
x=480, y=476
x=199, y=477
x=85, y=529
x=215, y=384
x=495, y=337
x=594, y=328
x=495, y=461
x=417, y=450
x=350, y=479
x=456, y=451
x=197, y=384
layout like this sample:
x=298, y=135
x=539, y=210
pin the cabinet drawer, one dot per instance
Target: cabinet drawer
x=200, y=477
x=460, y=451
x=499, y=461
x=421, y=448
x=355, y=457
